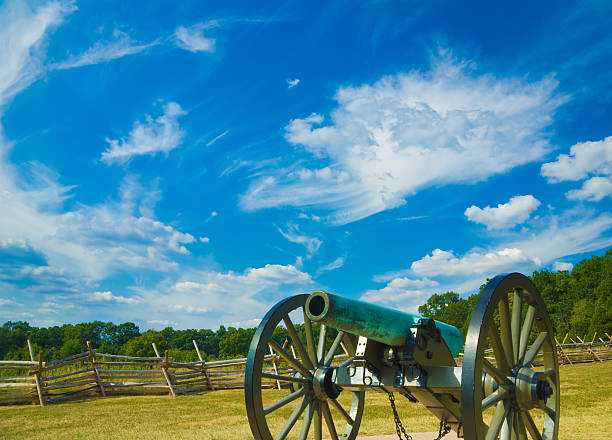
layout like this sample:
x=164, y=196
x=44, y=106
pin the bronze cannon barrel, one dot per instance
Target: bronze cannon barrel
x=378, y=323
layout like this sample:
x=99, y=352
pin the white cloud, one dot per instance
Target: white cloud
x=54, y=249
x=292, y=234
x=89, y=241
x=291, y=83
x=23, y=32
x=445, y=263
x=161, y=134
x=108, y=296
x=560, y=265
x=103, y=51
x=516, y=211
x=164, y=322
x=227, y=297
x=585, y=159
x=193, y=39
x=190, y=309
x=411, y=131
x=216, y=138
x=403, y=293
x=551, y=239
x=574, y=232
x=6, y=302
x=204, y=239
x=336, y=264
x=247, y=324
x=593, y=190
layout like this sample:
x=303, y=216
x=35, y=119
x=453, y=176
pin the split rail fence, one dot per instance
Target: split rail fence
x=90, y=373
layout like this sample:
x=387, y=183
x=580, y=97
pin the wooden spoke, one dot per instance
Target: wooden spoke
x=321, y=346
x=534, y=432
x=549, y=411
x=495, y=397
x=505, y=330
x=507, y=426
x=332, y=350
x=526, y=331
x=517, y=308
x=329, y=421
x=498, y=350
x=295, y=415
x=341, y=410
x=521, y=432
x=534, y=349
x=284, y=378
x=318, y=422
x=515, y=428
x=295, y=364
x=495, y=373
x=310, y=340
x=297, y=343
x=307, y=421
x=348, y=344
x=284, y=401
x=501, y=411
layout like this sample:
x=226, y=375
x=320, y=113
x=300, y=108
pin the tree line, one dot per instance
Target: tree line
x=579, y=303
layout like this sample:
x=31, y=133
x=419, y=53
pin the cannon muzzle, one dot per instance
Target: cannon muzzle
x=388, y=326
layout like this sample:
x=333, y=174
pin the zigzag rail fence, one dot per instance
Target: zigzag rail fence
x=93, y=374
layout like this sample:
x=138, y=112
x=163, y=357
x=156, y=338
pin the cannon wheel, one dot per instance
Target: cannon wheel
x=518, y=391
x=299, y=384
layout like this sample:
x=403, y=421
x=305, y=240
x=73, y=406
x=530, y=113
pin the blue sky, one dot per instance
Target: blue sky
x=190, y=164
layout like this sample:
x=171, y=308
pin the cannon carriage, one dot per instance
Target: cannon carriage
x=502, y=396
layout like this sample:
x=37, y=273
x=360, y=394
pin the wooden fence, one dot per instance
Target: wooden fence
x=98, y=374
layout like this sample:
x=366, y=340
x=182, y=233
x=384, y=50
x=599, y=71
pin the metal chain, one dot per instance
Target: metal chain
x=399, y=428
x=442, y=433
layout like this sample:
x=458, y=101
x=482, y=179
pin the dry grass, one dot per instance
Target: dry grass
x=586, y=408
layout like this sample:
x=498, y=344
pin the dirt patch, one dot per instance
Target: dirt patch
x=415, y=436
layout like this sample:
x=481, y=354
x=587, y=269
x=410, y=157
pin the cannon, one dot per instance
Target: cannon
x=313, y=357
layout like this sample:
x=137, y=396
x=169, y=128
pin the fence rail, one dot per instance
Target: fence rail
x=101, y=374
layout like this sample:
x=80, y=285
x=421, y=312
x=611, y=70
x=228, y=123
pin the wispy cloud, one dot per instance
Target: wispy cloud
x=227, y=296
x=291, y=83
x=192, y=38
x=293, y=234
x=103, y=51
x=408, y=132
x=403, y=293
x=560, y=265
x=336, y=264
x=516, y=211
x=23, y=31
x=162, y=134
x=108, y=296
x=216, y=138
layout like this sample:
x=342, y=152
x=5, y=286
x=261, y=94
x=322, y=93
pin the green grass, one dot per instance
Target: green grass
x=586, y=408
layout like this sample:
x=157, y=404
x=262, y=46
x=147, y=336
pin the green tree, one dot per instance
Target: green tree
x=235, y=342
x=141, y=346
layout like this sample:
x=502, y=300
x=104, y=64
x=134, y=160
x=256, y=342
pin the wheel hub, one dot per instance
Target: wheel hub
x=324, y=387
x=531, y=388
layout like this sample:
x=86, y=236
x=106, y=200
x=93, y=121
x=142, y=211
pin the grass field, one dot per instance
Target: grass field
x=586, y=409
